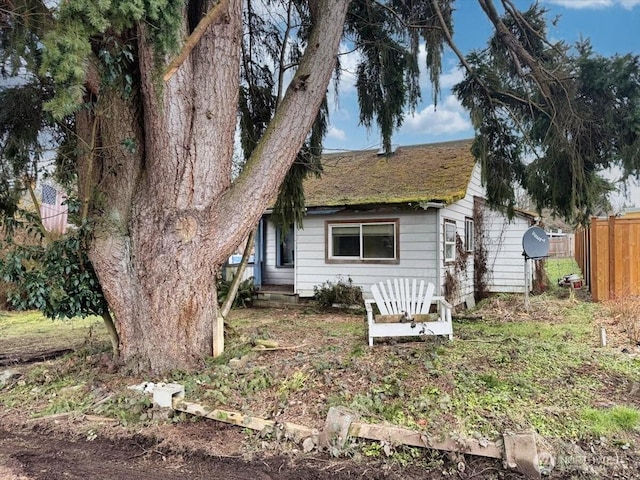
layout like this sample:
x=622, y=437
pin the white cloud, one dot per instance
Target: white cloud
x=447, y=79
x=452, y=77
x=348, y=64
x=336, y=134
x=449, y=118
x=595, y=4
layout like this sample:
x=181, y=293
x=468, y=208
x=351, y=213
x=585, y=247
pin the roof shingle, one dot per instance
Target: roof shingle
x=420, y=173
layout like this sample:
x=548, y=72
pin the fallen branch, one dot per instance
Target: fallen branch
x=16, y=358
x=260, y=348
x=467, y=317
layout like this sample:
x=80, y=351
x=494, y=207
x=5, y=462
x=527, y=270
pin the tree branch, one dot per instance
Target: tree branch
x=237, y=278
x=456, y=50
x=36, y=205
x=538, y=73
x=192, y=40
x=267, y=166
x=283, y=51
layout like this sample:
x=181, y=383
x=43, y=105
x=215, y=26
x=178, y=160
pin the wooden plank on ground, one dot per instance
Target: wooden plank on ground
x=404, y=436
x=291, y=430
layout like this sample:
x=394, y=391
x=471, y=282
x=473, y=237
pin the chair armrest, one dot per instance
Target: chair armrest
x=441, y=300
x=368, y=302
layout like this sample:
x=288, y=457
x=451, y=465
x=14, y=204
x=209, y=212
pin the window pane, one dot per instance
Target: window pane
x=345, y=241
x=449, y=232
x=448, y=252
x=49, y=194
x=469, y=235
x=378, y=241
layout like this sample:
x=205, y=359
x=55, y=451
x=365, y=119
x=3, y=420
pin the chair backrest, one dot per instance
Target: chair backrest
x=404, y=295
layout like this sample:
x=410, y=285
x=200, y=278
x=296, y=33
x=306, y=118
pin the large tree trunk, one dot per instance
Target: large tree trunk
x=168, y=213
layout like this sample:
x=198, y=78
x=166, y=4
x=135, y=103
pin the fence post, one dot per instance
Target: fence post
x=613, y=284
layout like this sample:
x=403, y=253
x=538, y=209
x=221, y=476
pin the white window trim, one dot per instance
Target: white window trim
x=361, y=258
x=445, y=242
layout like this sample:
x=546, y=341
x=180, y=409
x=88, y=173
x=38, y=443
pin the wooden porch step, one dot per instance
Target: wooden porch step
x=270, y=298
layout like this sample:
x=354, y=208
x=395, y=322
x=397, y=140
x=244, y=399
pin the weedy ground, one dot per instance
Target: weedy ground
x=507, y=369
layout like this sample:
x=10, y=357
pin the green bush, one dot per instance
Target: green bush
x=341, y=293
x=244, y=297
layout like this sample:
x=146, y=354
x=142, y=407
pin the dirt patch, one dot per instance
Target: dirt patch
x=48, y=453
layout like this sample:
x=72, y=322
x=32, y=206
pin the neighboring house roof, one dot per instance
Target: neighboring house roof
x=420, y=173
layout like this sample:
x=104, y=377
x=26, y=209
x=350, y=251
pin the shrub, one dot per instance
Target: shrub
x=626, y=312
x=244, y=297
x=341, y=293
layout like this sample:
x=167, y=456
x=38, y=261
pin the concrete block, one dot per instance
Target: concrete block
x=336, y=427
x=7, y=375
x=163, y=395
x=521, y=453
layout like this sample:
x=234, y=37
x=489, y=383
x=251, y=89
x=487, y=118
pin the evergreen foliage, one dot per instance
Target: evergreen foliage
x=551, y=118
x=388, y=37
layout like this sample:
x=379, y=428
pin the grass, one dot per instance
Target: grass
x=32, y=332
x=612, y=420
x=557, y=268
x=514, y=370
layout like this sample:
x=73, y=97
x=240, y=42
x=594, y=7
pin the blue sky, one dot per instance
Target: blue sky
x=612, y=25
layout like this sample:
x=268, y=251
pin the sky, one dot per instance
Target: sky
x=613, y=26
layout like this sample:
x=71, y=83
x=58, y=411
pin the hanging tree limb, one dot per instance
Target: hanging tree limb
x=192, y=40
x=454, y=47
x=237, y=278
x=36, y=204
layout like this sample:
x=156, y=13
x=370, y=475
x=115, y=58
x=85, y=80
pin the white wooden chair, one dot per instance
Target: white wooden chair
x=404, y=310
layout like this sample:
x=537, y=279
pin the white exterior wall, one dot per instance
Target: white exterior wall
x=417, y=247
x=458, y=212
x=505, y=263
x=273, y=275
x=421, y=247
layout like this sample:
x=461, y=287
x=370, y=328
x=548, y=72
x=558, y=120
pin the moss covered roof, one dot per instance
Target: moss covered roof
x=420, y=173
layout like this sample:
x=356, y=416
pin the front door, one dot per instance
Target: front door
x=285, y=247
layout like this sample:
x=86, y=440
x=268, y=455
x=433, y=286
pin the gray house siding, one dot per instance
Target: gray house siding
x=459, y=212
x=505, y=263
x=417, y=249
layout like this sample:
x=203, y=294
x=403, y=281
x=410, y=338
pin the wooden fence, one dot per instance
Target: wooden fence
x=561, y=246
x=608, y=252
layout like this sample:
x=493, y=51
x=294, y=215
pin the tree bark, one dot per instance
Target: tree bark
x=167, y=213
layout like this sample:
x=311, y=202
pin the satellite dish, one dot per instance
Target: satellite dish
x=535, y=243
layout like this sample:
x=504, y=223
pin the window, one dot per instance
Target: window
x=285, y=247
x=372, y=241
x=449, y=241
x=469, y=244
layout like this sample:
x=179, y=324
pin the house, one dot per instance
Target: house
x=414, y=213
